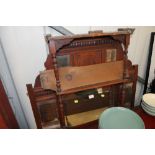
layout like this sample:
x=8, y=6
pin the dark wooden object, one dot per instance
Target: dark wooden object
x=85, y=50
x=3, y=124
x=43, y=104
x=7, y=118
x=149, y=120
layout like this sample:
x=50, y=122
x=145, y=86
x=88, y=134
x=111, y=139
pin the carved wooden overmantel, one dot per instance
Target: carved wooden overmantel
x=74, y=61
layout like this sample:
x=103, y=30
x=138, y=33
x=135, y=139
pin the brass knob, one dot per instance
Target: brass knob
x=102, y=95
x=76, y=101
x=99, y=90
x=91, y=96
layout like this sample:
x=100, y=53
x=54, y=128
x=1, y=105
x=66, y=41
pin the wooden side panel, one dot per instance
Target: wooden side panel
x=34, y=106
x=48, y=111
x=86, y=58
x=49, y=62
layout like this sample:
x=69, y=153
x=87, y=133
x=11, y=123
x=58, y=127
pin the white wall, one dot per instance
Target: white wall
x=26, y=52
x=10, y=90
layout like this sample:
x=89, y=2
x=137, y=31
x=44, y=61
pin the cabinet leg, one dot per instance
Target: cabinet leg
x=61, y=111
x=122, y=95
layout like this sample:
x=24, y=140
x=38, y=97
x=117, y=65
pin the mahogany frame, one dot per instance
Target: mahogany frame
x=58, y=43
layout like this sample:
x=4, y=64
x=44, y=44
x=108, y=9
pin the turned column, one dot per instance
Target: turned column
x=52, y=49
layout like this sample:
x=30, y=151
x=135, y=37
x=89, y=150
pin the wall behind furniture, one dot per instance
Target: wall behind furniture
x=10, y=89
x=26, y=52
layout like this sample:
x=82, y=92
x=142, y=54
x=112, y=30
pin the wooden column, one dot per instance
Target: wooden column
x=52, y=49
x=121, y=95
x=134, y=85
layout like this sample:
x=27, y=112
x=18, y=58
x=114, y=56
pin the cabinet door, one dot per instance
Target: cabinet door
x=83, y=58
x=3, y=125
x=7, y=119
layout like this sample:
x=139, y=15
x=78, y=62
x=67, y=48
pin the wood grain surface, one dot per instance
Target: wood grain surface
x=72, y=77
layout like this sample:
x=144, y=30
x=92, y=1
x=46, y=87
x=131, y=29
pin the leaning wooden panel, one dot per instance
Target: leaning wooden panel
x=73, y=77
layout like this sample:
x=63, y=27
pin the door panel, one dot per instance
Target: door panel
x=86, y=58
x=7, y=119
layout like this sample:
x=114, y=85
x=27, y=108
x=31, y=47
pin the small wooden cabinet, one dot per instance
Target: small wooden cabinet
x=84, y=75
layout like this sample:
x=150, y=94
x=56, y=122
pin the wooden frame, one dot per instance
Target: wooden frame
x=34, y=106
x=39, y=97
x=55, y=44
x=84, y=51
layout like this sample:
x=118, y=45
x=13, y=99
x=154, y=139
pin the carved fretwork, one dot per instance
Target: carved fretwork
x=94, y=42
x=60, y=43
x=90, y=42
x=73, y=42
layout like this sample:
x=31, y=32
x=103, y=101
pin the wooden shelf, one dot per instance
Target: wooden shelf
x=86, y=87
x=84, y=77
x=51, y=125
x=84, y=117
